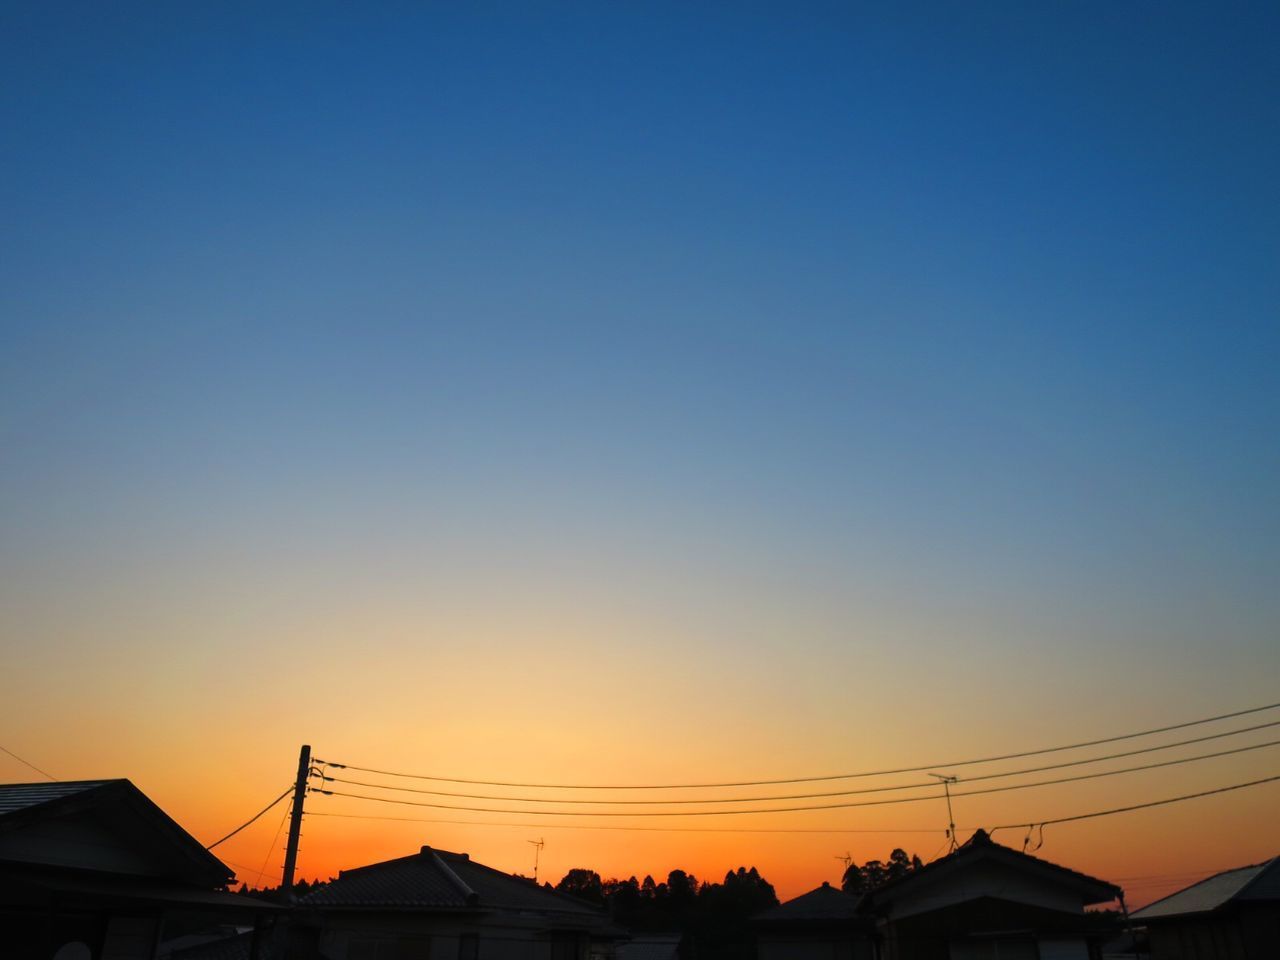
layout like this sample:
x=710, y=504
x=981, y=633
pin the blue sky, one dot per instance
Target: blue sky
x=835, y=334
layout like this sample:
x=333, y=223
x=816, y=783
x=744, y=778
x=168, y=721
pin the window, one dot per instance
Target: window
x=469, y=946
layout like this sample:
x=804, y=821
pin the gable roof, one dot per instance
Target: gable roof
x=981, y=847
x=824, y=903
x=440, y=880
x=1259, y=881
x=26, y=806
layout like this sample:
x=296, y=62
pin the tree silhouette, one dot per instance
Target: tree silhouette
x=874, y=873
x=583, y=884
x=713, y=917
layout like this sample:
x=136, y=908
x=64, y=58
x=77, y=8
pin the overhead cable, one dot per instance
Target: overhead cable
x=811, y=779
x=798, y=796
x=823, y=806
x=29, y=764
x=251, y=819
x=614, y=826
x=1138, y=806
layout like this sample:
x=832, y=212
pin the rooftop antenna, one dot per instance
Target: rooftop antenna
x=847, y=860
x=951, y=820
x=537, y=855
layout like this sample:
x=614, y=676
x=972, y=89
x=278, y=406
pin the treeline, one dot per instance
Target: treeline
x=713, y=918
x=874, y=873
x=272, y=894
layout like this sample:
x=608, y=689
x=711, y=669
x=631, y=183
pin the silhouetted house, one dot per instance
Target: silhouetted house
x=92, y=869
x=822, y=924
x=444, y=905
x=986, y=901
x=1234, y=915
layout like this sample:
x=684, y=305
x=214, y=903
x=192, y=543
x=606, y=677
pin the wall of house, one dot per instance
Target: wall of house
x=434, y=937
x=799, y=947
x=968, y=931
x=1249, y=932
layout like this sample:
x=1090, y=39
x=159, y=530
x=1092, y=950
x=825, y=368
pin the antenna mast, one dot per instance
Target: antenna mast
x=951, y=820
x=537, y=855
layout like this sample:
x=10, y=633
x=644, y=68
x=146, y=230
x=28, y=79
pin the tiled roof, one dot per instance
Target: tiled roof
x=981, y=844
x=438, y=879
x=1261, y=881
x=20, y=796
x=824, y=903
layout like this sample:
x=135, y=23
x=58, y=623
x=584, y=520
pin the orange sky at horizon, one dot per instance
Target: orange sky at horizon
x=213, y=788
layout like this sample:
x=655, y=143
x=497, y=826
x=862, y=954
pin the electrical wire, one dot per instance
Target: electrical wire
x=251, y=819
x=272, y=848
x=823, y=806
x=612, y=826
x=29, y=764
x=799, y=796
x=812, y=779
x=1140, y=806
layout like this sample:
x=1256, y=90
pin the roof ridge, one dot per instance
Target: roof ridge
x=469, y=895
x=1263, y=867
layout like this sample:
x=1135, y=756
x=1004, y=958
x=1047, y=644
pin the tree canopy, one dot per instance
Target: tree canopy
x=874, y=873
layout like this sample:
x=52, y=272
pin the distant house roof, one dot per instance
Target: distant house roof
x=825, y=903
x=440, y=880
x=1260, y=881
x=122, y=812
x=981, y=846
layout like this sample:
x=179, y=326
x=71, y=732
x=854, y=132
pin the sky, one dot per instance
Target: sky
x=585, y=393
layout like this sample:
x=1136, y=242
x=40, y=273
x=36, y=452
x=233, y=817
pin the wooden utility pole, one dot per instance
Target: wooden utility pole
x=295, y=821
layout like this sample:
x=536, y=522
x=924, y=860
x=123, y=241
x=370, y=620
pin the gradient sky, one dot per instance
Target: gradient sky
x=640, y=391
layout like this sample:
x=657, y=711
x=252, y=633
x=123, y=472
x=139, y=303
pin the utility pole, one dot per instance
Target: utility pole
x=951, y=820
x=295, y=821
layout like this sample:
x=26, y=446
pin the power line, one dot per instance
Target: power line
x=1137, y=806
x=251, y=819
x=814, y=779
x=714, y=830
x=801, y=796
x=29, y=764
x=272, y=848
x=822, y=806
x=611, y=826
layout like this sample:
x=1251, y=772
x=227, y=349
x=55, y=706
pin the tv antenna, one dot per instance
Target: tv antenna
x=537, y=855
x=951, y=820
x=847, y=859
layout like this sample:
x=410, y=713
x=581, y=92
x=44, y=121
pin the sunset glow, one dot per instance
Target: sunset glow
x=644, y=395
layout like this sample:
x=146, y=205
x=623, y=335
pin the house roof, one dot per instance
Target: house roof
x=981, y=846
x=823, y=903
x=131, y=817
x=1259, y=881
x=441, y=880
x=20, y=796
